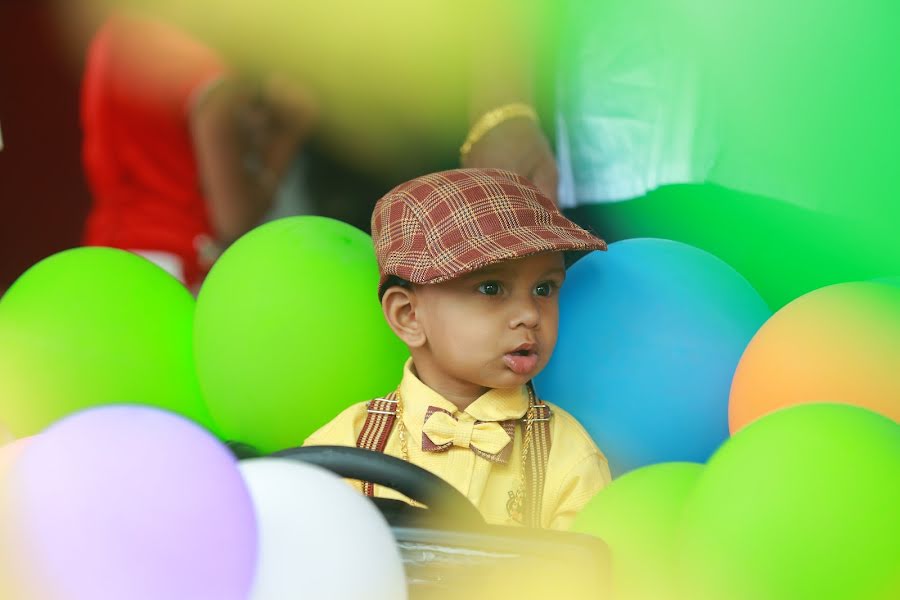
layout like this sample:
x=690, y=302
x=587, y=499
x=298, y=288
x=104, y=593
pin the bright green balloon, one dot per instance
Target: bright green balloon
x=94, y=326
x=289, y=331
x=638, y=516
x=802, y=503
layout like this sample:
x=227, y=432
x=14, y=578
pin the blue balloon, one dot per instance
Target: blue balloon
x=650, y=335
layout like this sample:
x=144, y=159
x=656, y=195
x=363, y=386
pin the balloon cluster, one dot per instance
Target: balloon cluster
x=287, y=332
x=664, y=350
x=134, y=502
x=801, y=503
x=117, y=385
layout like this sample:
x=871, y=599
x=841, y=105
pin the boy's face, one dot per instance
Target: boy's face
x=493, y=328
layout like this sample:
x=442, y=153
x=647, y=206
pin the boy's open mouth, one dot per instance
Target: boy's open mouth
x=522, y=360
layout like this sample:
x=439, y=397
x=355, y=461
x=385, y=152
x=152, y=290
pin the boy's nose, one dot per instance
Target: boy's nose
x=526, y=313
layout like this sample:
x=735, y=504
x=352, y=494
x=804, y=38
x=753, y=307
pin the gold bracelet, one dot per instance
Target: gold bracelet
x=491, y=119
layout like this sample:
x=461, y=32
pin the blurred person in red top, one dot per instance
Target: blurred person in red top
x=182, y=154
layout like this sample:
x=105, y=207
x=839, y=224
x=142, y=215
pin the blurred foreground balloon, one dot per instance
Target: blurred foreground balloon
x=840, y=343
x=125, y=502
x=404, y=110
x=639, y=516
x=318, y=537
x=289, y=331
x=94, y=326
x=800, y=504
x=890, y=280
x=650, y=334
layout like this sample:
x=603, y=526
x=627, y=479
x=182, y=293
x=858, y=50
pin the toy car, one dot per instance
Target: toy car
x=449, y=551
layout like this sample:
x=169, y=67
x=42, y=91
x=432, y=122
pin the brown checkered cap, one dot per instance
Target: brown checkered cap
x=443, y=225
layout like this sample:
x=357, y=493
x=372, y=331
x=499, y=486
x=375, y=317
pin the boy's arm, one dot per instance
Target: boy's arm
x=587, y=477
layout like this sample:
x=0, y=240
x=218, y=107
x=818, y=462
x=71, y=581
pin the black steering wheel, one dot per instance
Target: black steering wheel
x=442, y=499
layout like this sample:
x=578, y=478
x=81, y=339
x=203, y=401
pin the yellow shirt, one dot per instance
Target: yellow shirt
x=576, y=469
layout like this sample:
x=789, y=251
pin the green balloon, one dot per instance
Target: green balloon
x=289, y=331
x=802, y=503
x=638, y=516
x=783, y=250
x=95, y=326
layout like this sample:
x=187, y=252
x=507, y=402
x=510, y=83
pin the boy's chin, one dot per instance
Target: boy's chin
x=512, y=379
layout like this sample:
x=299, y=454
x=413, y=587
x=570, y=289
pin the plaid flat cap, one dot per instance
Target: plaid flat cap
x=443, y=225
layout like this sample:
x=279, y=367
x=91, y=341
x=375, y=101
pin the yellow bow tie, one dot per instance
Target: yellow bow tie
x=486, y=438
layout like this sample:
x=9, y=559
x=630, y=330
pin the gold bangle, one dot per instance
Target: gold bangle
x=491, y=119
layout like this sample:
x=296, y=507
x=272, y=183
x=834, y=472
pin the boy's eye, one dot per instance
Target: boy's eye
x=544, y=289
x=489, y=288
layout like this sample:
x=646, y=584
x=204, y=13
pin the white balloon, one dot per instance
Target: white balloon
x=318, y=538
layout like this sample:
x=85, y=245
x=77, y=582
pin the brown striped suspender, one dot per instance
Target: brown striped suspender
x=382, y=412
x=381, y=417
x=536, y=461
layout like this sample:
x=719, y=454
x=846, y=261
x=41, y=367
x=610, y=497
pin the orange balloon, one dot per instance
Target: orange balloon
x=9, y=452
x=12, y=560
x=840, y=343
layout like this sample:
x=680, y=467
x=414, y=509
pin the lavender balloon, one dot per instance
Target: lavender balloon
x=129, y=502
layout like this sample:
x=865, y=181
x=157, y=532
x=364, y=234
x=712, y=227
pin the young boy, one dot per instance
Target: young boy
x=471, y=263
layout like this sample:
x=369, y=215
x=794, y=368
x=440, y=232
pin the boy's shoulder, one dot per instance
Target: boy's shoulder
x=562, y=419
x=566, y=429
x=343, y=429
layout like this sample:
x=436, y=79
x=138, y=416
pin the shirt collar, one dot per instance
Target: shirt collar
x=497, y=404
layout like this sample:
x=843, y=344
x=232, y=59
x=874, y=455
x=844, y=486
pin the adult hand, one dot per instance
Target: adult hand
x=520, y=146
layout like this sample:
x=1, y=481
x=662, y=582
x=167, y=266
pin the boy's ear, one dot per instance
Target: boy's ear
x=399, y=307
